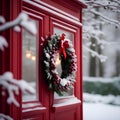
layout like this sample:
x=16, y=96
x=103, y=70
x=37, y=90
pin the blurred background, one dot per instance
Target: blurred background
x=101, y=60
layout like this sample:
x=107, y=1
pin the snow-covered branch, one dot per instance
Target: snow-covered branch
x=13, y=86
x=21, y=21
x=107, y=5
x=117, y=1
x=5, y=117
x=99, y=15
x=112, y=21
x=2, y=19
x=94, y=53
x=3, y=43
x=6, y=80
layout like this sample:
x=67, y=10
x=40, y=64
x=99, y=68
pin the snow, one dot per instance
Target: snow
x=6, y=80
x=63, y=82
x=47, y=55
x=29, y=26
x=12, y=86
x=2, y=19
x=94, y=53
x=32, y=109
x=101, y=107
x=22, y=20
x=5, y=117
x=17, y=28
x=110, y=20
x=3, y=43
x=68, y=101
x=104, y=19
x=96, y=98
x=25, y=87
x=26, y=105
x=101, y=79
x=82, y=1
x=46, y=63
x=49, y=75
x=99, y=111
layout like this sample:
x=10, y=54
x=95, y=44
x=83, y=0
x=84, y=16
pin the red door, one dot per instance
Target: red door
x=46, y=104
x=50, y=17
x=70, y=105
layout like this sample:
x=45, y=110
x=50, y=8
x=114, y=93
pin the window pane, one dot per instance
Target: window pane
x=29, y=61
x=58, y=64
x=70, y=36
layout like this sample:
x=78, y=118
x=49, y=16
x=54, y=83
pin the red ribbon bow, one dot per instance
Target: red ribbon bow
x=63, y=45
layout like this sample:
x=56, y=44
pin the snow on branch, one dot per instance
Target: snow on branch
x=7, y=81
x=13, y=86
x=103, y=3
x=94, y=53
x=105, y=18
x=100, y=7
x=3, y=43
x=21, y=21
x=2, y=19
x=5, y=117
x=117, y=1
x=97, y=3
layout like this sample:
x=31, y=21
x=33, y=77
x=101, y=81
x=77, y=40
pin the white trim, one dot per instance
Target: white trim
x=55, y=12
x=26, y=105
x=33, y=109
x=65, y=102
x=57, y=24
x=34, y=15
x=56, y=9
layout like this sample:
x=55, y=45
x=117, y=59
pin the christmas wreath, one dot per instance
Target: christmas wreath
x=58, y=44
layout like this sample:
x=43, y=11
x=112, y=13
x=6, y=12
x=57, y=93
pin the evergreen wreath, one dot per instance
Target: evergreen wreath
x=58, y=44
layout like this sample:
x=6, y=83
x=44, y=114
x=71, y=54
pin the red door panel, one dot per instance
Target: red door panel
x=69, y=115
x=55, y=108
x=37, y=109
x=52, y=16
x=65, y=110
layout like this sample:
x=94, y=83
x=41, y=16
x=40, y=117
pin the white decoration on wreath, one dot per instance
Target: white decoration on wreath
x=63, y=82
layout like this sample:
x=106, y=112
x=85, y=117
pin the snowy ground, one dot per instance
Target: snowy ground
x=100, y=111
x=106, y=99
x=102, y=107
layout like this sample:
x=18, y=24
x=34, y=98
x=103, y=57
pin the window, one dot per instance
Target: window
x=70, y=36
x=29, y=61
